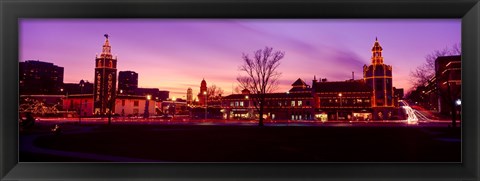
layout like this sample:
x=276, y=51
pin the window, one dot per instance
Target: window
x=236, y=103
x=231, y=104
x=308, y=103
x=123, y=102
x=359, y=100
x=292, y=103
x=299, y=103
x=135, y=103
x=241, y=103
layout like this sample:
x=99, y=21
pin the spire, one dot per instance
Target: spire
x=377, y=53
x=106, y=50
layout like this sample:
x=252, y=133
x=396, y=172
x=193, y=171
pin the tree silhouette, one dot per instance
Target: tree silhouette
x=262, y=76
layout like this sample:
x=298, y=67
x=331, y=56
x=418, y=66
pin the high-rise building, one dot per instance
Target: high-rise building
x=202, y=94
x=379, y=76
x=105, y=80
x=37, y=77
x=189, y=96
x=127, y=82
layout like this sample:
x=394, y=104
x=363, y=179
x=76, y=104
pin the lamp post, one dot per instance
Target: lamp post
x=145, y=112
x=247, y=105
x=81, y=104
x=174, y=106
x=206, y=105
x=339, y=95
x=288, y=103
x=123, y=107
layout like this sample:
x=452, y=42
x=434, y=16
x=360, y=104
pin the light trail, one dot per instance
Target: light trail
x=411, y=117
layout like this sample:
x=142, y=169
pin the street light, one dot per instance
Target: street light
x=174, y=106
x=145, y=113
x=339, y=95
x=458, y=102
x=247, y=105
x=206, y=105
x=81, y=103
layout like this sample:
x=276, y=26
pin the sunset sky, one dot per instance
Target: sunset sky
x=174, y=54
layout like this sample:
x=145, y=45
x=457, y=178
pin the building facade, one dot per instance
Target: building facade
x=346, y=100
x=126, y=105
x=295, y=104
x=105, y=81
x=37, y=78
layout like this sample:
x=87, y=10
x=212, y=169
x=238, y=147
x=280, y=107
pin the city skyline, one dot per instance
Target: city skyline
x=174, y=55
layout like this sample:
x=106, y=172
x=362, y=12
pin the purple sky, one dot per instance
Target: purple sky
x=176, y=54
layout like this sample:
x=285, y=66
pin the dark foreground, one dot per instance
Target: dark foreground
x=217, y=143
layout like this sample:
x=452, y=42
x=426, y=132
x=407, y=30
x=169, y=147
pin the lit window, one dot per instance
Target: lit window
x=241, y=103
x=292, y=103
x=231, y=104
x=236, y=103
x=299, y=103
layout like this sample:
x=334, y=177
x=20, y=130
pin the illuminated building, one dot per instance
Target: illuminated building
x=37, y=77
x=126, y=105
x=379, y=77
x=201, y=95
x=101, y=98
x=105, y=81
x=127, y=82
x=296, y=104
x=370, y=98
x=189, y=96
x=342, y=100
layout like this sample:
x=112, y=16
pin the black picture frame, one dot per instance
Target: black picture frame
x=11, y=11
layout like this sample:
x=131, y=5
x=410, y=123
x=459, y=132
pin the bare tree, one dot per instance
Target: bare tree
x=214, y=93
x=262, y=76
x=427, y=70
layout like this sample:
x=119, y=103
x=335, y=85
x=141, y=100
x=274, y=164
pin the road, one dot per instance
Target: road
x=417, y=116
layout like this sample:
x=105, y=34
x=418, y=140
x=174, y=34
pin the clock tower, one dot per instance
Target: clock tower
x=105, y=81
